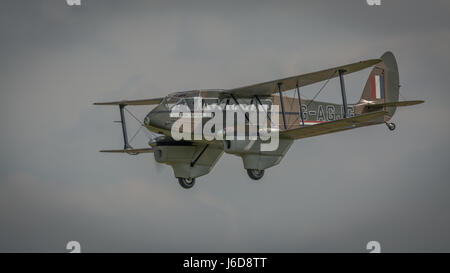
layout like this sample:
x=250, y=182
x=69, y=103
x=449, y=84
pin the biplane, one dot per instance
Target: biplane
x=299, y=118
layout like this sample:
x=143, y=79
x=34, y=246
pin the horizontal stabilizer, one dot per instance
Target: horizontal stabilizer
x=267, y=88
x=332, y=126
x=132, y=102
x=394, y=104
x=129, y=151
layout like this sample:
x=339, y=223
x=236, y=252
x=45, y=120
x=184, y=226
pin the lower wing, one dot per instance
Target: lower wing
x=129, y=151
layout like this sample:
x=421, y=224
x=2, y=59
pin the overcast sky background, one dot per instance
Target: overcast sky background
x=332, y=193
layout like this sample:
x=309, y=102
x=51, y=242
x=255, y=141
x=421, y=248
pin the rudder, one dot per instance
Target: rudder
x=382, y=86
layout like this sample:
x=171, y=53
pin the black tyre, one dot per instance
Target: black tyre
x=391, y=126
x=255, y=174
x=186, y=183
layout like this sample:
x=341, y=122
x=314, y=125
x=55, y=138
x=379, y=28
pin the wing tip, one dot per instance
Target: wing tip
x=129, y=151
x=371, y=62
x=111, y=103
x=152, y=101
x=377, y=61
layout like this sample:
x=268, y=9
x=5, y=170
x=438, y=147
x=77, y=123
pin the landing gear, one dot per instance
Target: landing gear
x=255, y=174
x=186, y=183
x=391, y=126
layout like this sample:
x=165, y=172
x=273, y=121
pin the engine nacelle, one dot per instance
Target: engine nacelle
x=188, y=160
x=251, y=154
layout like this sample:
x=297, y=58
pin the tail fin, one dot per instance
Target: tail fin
x=383, y=83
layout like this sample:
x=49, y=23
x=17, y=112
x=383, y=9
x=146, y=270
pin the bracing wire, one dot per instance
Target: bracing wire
x=152, y=135
x=320, y=90
x=315, y=96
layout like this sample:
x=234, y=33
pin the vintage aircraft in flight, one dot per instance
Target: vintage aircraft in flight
x=298, y=118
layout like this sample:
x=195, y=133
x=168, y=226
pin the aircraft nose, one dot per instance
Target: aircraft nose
x=151, y=119
x=156, y=117
x=148, y=120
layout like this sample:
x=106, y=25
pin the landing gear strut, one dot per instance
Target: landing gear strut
x=255, y=174
x=186, y=183
x=391, y=126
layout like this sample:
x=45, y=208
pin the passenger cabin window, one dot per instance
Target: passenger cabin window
x=210, y=101
x=170, y=102
x=205, y=101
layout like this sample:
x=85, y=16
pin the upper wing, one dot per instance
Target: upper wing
x=332, y=126
x=267, y=88
x=132, y=102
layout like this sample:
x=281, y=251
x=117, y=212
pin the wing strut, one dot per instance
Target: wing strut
x=300, y=104
x=267, y=113
x=344, y=96
x=198, y=157
x=126, y=145
x=282, y=104
x=245, y=113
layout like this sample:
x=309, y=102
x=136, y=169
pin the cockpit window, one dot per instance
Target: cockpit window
x=170, y=102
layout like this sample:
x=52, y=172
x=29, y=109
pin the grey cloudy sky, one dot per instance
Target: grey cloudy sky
x=330, y=193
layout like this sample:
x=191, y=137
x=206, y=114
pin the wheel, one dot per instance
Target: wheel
x=186, y=183
x=391, y=126
x=255, y=174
